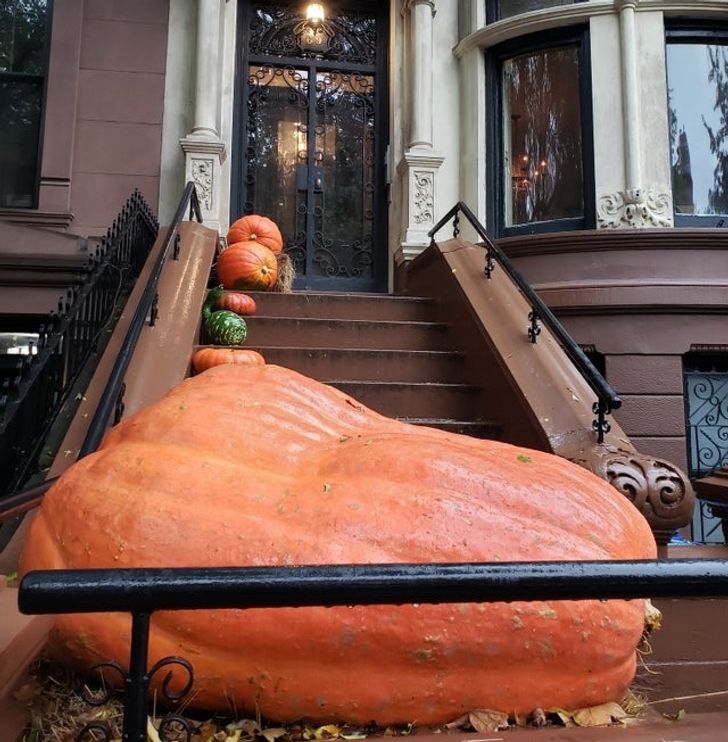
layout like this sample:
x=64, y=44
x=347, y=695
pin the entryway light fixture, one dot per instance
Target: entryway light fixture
x=313, y=33
x=315, y=13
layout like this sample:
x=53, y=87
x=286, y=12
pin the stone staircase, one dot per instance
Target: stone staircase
x=389, y=352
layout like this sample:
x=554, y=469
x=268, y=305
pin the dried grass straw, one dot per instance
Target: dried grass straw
x=286, y=274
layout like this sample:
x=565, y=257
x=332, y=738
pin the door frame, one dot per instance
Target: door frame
x=238, y=167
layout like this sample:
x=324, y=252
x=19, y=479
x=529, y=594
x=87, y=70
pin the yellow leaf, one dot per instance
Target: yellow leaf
x=487, y=720
x=152, y=733
x=272, y=734
x=328, y=731
x=598, y=716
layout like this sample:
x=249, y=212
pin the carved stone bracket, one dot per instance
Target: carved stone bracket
x=203, y=159
x=657, y=488
x=635, y=208
x=418, y=169
x=202, y=170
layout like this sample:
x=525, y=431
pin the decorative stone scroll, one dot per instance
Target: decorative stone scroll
x=657, y=488
x=424, y=198
x=635, y=208
x=203, y=160
x=202, y=171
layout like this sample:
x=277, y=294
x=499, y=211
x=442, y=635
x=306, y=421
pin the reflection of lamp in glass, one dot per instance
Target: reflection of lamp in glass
x=314, y=33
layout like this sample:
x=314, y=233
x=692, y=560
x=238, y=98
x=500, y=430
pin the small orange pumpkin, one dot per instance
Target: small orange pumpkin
x=237, y=302
x=247, y=265
x=256, y=228
x=205, y=358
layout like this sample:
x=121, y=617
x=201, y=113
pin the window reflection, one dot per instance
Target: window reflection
x=542, y=137
x=697, y=80
x=508, y=8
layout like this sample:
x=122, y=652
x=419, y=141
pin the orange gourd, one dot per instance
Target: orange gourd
x=262, y=466
x=206, y=358
x=237, y=302
x=247, y=265
x=256, y=228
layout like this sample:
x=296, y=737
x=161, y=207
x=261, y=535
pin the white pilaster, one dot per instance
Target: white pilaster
x=637, y=205
x=204, y=150
x=420, y=162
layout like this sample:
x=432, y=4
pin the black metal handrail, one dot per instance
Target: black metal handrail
x=112, y=396
x=607, y=398
x=144, y=591
x=67, y=340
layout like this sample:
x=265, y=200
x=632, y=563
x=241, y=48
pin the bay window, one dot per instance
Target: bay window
x=541, y=176
x=697, y=101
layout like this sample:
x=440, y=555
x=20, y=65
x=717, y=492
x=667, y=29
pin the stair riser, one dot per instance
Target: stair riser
x=415, y=401
x=279, y=332
x=491, y=431
x=349, y=306
x=331, y=364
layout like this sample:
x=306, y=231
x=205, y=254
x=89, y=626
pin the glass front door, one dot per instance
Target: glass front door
x=310, y=139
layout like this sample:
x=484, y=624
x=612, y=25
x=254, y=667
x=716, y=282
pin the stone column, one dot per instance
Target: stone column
x=204, y=149
x=420, y=161
x=636, y=205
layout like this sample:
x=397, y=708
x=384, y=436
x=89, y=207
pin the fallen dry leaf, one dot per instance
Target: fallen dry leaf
x=487, y=720
x=599, y=716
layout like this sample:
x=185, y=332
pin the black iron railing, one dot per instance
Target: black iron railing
x=607, y=398
x=144, y=591
x=30, y=402
x=112, y=398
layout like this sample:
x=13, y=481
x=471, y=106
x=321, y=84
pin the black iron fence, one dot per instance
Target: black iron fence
x=144, y=591
x=31, y=398
x=111, y=401
x=607, y=398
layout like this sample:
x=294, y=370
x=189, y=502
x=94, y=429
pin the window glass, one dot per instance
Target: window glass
x=20, y=106
x=542, y=142
x=697, y=81
x=23, y=36
x=498, y=9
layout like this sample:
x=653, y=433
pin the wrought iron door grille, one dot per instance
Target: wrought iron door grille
x=706, y=403
x=312, y=139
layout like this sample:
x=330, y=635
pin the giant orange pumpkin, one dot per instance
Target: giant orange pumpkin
x=256, y=228
x=247, y=265
x=262, y=466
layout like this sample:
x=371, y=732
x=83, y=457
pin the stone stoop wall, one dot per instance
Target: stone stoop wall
x=118, y=127
x=653, y=407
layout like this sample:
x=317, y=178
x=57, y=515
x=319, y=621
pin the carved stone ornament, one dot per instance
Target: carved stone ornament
x=424, y=197
x=657, y=488
x=202, y=174
x=635, y=208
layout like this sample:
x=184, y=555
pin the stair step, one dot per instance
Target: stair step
x=333, y=333
x=405, y=400
x=344, y=306
x=491, y=429
x=368, y=364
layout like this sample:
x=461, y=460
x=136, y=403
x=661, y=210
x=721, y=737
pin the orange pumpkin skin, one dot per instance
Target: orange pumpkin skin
x=256, y=228
x=247, y=265
x=206, y=358
x=237, y=302
x=291, y=472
